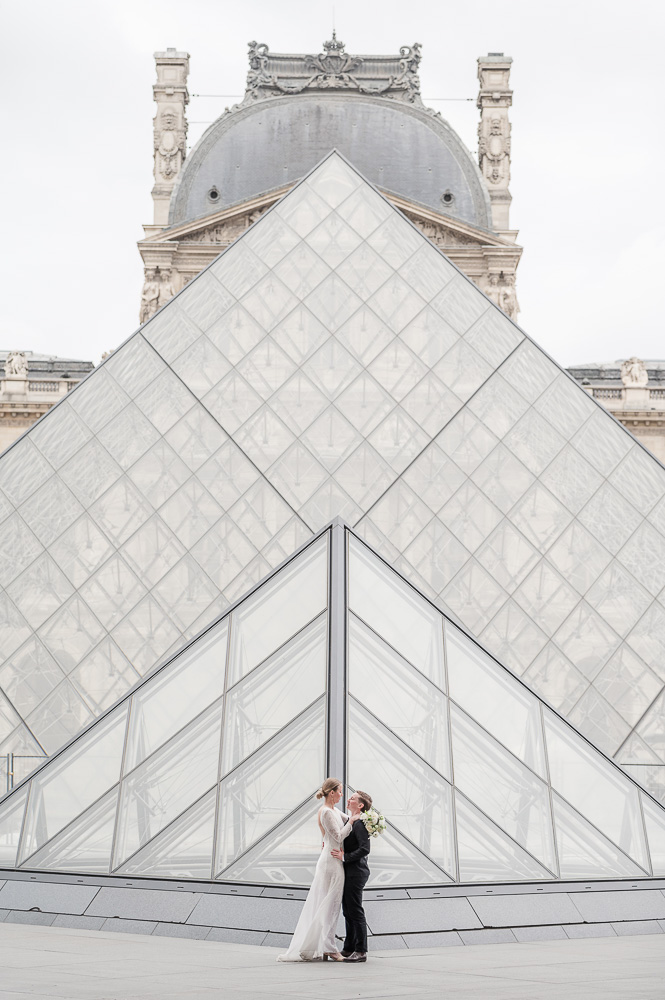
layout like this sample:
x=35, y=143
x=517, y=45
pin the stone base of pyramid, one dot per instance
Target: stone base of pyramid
x=435, y=916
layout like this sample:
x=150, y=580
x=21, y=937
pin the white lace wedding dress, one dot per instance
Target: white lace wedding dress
x=315, y=932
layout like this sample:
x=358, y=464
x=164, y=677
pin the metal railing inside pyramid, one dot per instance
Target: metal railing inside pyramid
x=331, y=363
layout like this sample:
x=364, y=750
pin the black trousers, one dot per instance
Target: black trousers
x=355, y=877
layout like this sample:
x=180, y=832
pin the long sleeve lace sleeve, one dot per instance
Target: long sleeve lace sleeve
x=331, y=824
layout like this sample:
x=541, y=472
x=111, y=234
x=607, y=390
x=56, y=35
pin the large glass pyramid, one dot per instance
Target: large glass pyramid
x=332, y=362
x=208, y=769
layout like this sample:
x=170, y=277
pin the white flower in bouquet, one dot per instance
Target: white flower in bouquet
x=375, y=822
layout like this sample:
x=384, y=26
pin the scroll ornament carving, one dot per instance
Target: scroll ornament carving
x=16, y=365
x=334, y=68
x=634, y=373
x=494, y=149
x=170, y=144
x=157, y=290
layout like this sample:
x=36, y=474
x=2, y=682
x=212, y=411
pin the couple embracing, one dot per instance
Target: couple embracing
x=340, y=877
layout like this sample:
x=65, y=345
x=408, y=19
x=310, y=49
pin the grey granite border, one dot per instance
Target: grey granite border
x=397, y=918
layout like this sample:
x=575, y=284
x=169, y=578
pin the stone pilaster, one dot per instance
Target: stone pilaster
x=170, y=127
x=494, y=99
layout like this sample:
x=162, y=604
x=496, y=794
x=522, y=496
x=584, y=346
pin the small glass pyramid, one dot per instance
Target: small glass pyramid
x=208, y=768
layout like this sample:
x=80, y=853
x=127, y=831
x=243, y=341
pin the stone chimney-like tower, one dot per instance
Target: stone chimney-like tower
x=494, y=99
x=170, y=127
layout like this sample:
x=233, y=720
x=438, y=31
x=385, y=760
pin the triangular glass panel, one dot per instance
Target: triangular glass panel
x=493, y=698
x=506, y=791
x=403, y=786
x=279, y=610
x=11, y=824
x=583, y=851
x=394, y=861
x=260, y=792
x=183, y=849
x=396, y=612
x=598, y=790
x=654, y=820
x=166, y=784
x=487, y=854
x=85, y=845
x=81, y=774
x=399, y=696
x=287, y=855
x=274, y=693
x=182, y=691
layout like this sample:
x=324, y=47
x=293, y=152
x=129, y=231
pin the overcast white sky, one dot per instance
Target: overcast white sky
x=588, y=149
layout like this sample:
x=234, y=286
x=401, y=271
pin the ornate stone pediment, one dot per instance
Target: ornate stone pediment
x=173, y=256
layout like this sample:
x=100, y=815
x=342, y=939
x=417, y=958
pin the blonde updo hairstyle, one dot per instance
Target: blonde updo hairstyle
x=328, y=786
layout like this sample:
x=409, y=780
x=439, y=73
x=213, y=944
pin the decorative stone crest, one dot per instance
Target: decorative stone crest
x=271, y=74
x=634, y=373
x=16, y=365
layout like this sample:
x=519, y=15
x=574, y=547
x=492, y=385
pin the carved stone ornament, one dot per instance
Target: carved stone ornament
x=170, y=144
x=149, y=296
x=634, y=373
x=500, y=288
x=16, y=365
x=494, y=149
x=334, y=68
x=224, y=232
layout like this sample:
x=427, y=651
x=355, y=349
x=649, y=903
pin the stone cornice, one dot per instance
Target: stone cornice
x=417, y=213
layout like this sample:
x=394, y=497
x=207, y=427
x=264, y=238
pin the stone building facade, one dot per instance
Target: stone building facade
x=634, y=392
x=29, y=386
x=295, y=109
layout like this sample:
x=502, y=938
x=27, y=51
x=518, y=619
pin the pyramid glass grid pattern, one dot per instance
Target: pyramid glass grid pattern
x=208, y=769
x=193, y=749
x=331, y=362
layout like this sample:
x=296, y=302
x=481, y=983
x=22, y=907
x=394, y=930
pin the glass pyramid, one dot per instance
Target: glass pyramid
x=208, y=768
x=331, y=362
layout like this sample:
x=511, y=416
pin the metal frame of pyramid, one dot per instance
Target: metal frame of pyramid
x=334, y=663
x=332, y=362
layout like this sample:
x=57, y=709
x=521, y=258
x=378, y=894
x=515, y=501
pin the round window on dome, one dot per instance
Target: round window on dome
x=213, y=194
x=447, y=198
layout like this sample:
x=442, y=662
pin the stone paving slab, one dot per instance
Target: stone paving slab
x=54, y=963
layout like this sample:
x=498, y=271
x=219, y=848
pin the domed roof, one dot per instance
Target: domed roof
x=298, y=108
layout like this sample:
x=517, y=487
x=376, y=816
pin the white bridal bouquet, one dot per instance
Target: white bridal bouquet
x=375, y=822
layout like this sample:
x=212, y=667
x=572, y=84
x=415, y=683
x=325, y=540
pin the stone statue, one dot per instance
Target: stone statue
x=166, y=290
x=508, y=301
x=16, y=365
x=634, y=373
x=149, y=297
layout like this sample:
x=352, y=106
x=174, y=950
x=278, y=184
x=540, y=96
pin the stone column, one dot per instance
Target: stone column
x=170, y=127
x=494, y=99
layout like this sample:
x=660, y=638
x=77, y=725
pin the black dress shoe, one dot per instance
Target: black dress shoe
x=345, y=954
x=356, y=956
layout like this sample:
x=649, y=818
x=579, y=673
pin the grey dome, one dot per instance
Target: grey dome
x=405, y=150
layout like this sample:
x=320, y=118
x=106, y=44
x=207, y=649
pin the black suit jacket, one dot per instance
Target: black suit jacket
x=356, y=845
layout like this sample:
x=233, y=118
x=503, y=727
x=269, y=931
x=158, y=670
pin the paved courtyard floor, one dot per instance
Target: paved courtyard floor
x=64, y=964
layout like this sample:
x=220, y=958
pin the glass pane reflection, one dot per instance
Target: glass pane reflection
x=396, y=612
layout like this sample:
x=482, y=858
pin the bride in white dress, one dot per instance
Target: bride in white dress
x=314, y=936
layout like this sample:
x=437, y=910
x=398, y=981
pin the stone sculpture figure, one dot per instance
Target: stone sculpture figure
x=16, y=365
x=149, y=297
x=634, y=372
